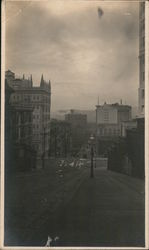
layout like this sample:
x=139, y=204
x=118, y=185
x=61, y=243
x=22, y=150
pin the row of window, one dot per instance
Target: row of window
x=31, y=97
x=104, y=131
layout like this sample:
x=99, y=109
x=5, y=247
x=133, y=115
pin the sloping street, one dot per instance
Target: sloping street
x=108, y=210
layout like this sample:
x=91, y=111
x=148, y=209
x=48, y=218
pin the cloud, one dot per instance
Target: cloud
x=79, y=53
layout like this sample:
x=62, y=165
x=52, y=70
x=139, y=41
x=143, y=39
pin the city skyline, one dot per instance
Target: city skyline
x=86, y=50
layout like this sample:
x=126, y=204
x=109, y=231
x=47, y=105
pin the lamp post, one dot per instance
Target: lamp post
x=91, y=143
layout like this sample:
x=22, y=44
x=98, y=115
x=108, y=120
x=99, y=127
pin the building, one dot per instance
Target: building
x=76, y=119
x=127, y=154
x=60, y=138
x=109, y=121
x=141, y=90
x=79, y=130
x=19, y=154
x=128, y=125
x=26, y=95
x=16, y=82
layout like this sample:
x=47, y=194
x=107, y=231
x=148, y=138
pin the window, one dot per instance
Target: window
x=142, y=93
x=106, y=115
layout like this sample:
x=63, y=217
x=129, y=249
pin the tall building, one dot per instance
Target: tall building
x=141, y=89
x=39, y=100
x=19, y=154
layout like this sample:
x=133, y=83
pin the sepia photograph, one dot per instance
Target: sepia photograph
x=73, y=158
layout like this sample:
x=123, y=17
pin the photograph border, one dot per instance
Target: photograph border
x=146, y=132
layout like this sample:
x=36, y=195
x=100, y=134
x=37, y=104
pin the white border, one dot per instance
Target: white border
x=2, y=119
x=146, y=133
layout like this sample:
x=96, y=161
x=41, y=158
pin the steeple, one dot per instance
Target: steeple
x=42, y=81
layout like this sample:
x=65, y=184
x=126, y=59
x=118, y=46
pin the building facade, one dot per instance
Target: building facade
x=141, y=90
x=128, y=125
x=38, y=99
x=109, y=119
x=19, y=154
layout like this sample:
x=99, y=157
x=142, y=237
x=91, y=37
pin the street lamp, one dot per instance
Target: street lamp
x=92, y=143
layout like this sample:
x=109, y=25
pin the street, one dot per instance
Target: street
x=107, y=210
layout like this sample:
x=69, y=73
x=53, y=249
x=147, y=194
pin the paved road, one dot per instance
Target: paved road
x=106, y=211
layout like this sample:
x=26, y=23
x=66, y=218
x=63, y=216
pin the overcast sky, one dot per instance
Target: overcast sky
x=86, y=49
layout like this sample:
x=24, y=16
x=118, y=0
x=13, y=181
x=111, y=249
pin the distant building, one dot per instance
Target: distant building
x=141, y=90
x=79, y=130
x=109, y=122
x=76, y=119
x=109, y=118
x=60, y=114
x=60, y=138
x=25, y=95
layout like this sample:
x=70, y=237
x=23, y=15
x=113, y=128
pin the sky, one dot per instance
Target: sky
x=85, y=48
